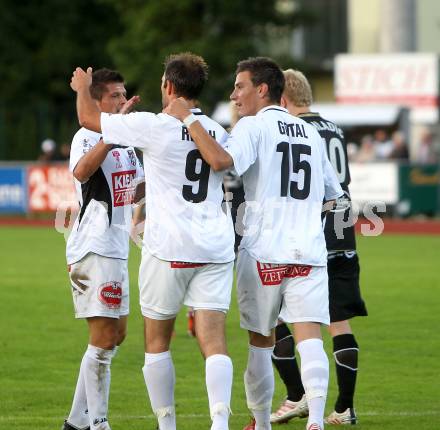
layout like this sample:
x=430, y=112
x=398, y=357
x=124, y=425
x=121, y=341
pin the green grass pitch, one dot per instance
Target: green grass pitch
x=41, y=344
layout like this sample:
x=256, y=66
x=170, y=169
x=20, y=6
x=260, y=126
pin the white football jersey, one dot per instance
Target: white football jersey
x=104, y=221
x=286, y=175
x=184, y=216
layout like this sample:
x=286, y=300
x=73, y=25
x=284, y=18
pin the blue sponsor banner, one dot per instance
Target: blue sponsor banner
x=13, y=194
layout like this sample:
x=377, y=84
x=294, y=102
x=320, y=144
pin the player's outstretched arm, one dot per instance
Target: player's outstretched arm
x=210, y=150
x=89, y=115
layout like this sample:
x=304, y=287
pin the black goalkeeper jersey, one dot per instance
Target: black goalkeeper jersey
x=337, y=238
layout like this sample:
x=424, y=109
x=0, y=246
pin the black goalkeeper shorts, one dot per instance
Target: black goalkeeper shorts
x=345, y=300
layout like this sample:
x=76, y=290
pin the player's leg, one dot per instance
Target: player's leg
x=305, y=304
x=98, y=291
x=314, y=368
x=283, y=357
x=210, y=334
x=124, y=311
x=209, y=294
x=158, y=370
x=259, y=299
x=97, y=360
x=191, y=323
x=345, y=302
x=259, y=379
x=345, y=352
x=159, y=308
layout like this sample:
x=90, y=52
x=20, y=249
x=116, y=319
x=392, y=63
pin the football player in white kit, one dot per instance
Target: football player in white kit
x=188, y=250
x=282, y=258
x=345, y=300
x=97, y=250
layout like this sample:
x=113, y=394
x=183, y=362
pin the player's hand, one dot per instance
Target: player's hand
x=178, y=108
x=130, y=104
x=328, y=206
x=342, y=204
x=137, y=233
x=81, y=79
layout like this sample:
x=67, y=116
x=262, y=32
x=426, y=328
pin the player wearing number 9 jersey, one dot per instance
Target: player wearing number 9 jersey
x=282, y=257
x=188, y=251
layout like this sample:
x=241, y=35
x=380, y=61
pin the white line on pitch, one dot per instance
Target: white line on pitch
x=139, y=417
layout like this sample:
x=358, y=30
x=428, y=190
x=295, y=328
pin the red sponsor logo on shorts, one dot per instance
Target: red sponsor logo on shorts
x=110, y=294
x=185, y=265
x=123, y=187
x=296, y=270
x=273, y=274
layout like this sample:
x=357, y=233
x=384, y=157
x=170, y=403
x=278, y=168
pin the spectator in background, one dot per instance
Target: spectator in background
x=400, y=149
x=383, y=146
x=352, y=151
x=427, y=151
x=48, y=150
x=367, y=151
x=64, y=152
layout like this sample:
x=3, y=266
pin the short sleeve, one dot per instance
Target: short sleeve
x=81, y=144
x=242, y=144
x=133, y=129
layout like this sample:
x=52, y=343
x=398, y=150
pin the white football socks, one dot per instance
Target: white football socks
x=96, y=373
x=314, y=375
x=259, y=385
x=78, y=414
x=219, y=372
x=160, y=379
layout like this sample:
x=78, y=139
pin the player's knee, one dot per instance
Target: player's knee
x=157, y=345
x=109, y=337
x=109, y=342
x=122, y=334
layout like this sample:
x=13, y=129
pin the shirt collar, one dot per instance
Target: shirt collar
x=196, y=111
x=272, y=107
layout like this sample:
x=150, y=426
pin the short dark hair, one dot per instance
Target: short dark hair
x=102, y=77
x=187, y=72
x=264, y=70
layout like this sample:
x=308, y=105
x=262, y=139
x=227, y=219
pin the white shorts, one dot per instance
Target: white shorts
x=100, y=287
x=292, y=292
x=166, y=285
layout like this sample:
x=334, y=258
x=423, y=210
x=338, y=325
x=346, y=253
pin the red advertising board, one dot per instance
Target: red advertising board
x=407, y=79
x=49, y=187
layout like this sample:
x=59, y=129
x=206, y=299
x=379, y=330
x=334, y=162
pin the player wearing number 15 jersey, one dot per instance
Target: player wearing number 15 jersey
x=188, y=247
x=345, y=300
x=282, y=258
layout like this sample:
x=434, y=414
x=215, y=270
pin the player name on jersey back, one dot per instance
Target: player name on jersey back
x=323, y=125
x=292, y=129
x=187, y=136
